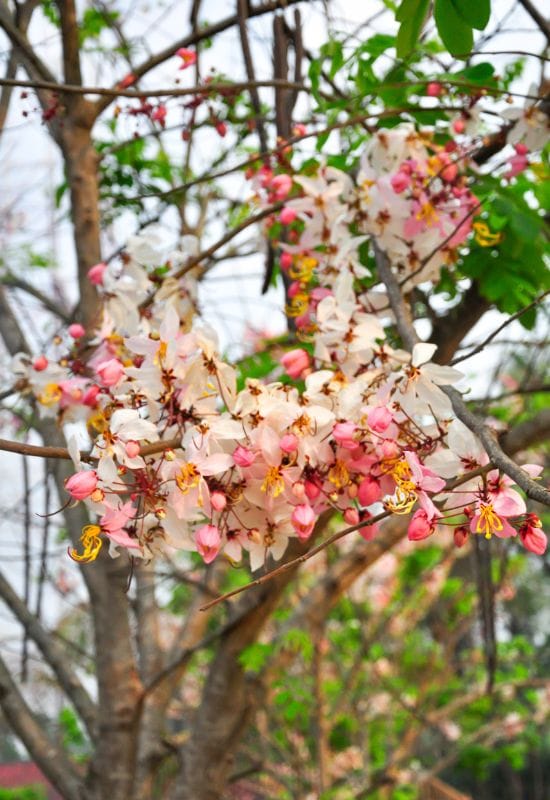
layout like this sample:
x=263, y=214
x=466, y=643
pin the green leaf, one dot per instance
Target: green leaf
x=411, y=14
x=456, y=34
x=479, y=73
x=475, y=13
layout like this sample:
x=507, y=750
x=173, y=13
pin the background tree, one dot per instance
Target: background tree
x=318, y=681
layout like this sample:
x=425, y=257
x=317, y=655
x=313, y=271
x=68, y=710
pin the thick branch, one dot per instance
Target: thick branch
x=487, y=437
x=69, y=37
x=51, y=759
x=54, y=655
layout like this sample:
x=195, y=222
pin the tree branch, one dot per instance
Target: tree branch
x=27, y=53
x=538, y=17
x=475, y=424
x=51, y=759
x=54, y=655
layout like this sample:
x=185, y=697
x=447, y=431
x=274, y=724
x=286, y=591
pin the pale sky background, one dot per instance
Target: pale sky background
x=31, y=171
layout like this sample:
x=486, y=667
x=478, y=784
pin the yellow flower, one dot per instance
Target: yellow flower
x=484, y=236
x=91, y=542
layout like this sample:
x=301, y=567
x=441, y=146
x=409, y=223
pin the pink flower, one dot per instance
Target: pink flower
x=400, y=181
x=343, y=433
x=420, y=527
x=243, y=457
x=40, y=363
x=303, y=521
x=369, y=491
x=82, y=484
x=110, y=372
x=208, y=541
x=379, y=418
x=313, y=490
x=96, y=273
x=76, y=331
x=295, y=362
x=287, y=215
x=289, y=443
x=189, y=57
x=532, y=536
x=113, y=521
x=281, y=186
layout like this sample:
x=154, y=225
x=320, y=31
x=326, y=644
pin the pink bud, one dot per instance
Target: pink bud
x=110, y=372
x=419, y=526
x=351, y=516
x=266, y=176
x=532, y=536
x=218, y=501
x=303, y=521
x=76, y=331
x=461, y=535
x=449, y=173
x=243, y=457
x=159, y=114
x=459, y=126
x=281, y=186
x=95, y=273
x=313, y=490
x=221, y=128
x=400, y=181
x=208, y=541
x=299, y=490
x=369, y=492
x=367, y=532
x=132, y=449
x=434, y=89
x=287, y=215
x=289, y=443
x=295, y=362
x=379, y=418
x=89, y=398
x=521, y=149
x=40, y=363
x=299, y=129
x=127, y=81
x=82, y=484
x=343, y=433
x=285, y=261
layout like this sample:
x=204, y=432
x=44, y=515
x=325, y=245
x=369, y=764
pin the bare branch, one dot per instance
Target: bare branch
x=54, y=655
x=51, y=759
x=474, y=423
x=26, y=51
x=538, y=17
x=15, y=282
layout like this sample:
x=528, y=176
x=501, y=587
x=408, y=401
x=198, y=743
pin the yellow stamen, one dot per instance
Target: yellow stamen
x=91, y=542
x=298, y=305
x=50, y=395
x=273, y=483
x=428, y=214
x=484, y=236
x=488, y=522
x=188, y=477
x=338, y=474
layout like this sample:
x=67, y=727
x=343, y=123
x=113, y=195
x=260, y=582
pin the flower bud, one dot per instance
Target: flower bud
x=82, y=484
x=379, y=418
x=208, y=541
x=110, y=372
x=435, y=89
x=218, y=501
x=369, y=491
x=287, y=215
x=295, y=362
x=351, y=516
x=461, y=535
x=76, y=331
x=40, y=363
x=132, y=449
x=96, y=273
x=243, y=457
x=419, y=526
x=281, y=186
x=343, y=433
x=303, y=521
x=289, y=443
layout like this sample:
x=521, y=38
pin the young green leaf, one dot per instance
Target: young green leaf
x=411, y=14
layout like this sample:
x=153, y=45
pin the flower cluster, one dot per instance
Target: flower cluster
x=180, y=459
